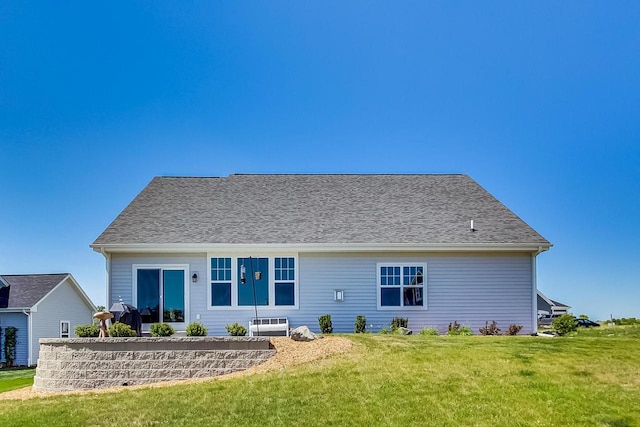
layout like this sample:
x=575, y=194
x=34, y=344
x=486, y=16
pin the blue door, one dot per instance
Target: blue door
x=261, y=283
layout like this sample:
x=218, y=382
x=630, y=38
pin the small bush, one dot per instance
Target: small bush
x=360, y=325
x=236, y=330
x=514, y=329
x=399, y=322
x=429, y=331
x=119, y=329
x=196, y=329
x=490, y=329
x=466, y=331
x=564, y=324
x=161, y=330
x=87, y=331
x=326, y=326
x=456, y=328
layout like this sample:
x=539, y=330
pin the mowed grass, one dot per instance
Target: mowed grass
x=12, y=379
x=390, y=380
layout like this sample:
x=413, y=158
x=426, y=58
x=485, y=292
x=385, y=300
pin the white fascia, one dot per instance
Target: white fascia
x=319, y=247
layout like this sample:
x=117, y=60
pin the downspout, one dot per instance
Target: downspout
x=534, y=280
x=107, y=257
x=30, y=332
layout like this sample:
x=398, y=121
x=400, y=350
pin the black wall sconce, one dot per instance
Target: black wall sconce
x=194, y=278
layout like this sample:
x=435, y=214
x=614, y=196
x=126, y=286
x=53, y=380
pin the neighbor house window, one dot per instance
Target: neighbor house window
x=401, y=285
x=64, y=328
x=220, y=281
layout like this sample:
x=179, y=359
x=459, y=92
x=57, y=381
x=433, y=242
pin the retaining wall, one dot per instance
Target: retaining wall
x=89, y=363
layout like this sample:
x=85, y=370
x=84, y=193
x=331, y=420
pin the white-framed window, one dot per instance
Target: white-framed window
x=65, y=326
x=242, y=281
x=402, y=285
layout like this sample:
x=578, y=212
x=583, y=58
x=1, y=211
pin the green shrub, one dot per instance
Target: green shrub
x=326, y=326
x=399, y=322
x=456, y=328
x=429, y=331
x=236, y=330
x=490, y=329
x=87, y=331
x=466, y=331
x=360, y=325
x=514, y=329
x=121, y=330
x=564, y=324
x=196, y=329
x=10, y=345
x=161, y=330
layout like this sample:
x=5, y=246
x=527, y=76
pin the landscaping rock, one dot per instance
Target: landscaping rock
x=303, y=333
x=405, y=331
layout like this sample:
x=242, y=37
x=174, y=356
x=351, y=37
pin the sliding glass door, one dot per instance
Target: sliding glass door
x=160, y=296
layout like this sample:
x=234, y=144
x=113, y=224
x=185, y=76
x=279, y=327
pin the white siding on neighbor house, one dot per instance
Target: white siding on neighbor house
x=19, y=321
x=122, y=277
x=468, y=288
x=64, y=303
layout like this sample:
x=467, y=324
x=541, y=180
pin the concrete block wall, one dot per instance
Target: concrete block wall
x=90, y=363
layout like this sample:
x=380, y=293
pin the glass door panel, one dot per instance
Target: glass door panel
x=173, y=292
x=148, y=291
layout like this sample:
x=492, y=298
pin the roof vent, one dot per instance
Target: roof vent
x=471, y=228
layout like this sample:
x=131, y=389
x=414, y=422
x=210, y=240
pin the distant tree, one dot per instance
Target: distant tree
x=98, y=309
x=584, y=316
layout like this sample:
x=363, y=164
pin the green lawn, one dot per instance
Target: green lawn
x=391, y=380
x=11, y=379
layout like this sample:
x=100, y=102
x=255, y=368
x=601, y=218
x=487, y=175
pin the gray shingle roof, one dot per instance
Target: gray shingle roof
x=317, y=209
x=27, y=289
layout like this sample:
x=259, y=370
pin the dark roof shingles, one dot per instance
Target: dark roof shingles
x=420, y=209
x=27, y=289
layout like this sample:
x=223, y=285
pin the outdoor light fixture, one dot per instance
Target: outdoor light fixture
x=338, y=295
x=194, y=278
x=243, y=274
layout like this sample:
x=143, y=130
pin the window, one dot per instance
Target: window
x=401, y=285
x=285, y=274
x=269, y=282
x=220, y=281
x=64, y=328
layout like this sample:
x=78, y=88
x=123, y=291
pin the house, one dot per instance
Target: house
x=41, y=306
x=550, y=308
x=431, y=248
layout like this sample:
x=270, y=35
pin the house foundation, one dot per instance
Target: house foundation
x=92, y=363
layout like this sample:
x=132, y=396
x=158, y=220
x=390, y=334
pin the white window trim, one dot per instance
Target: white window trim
x=68, y=328
x=272, y=285
x=401, y=287
x=187, y=283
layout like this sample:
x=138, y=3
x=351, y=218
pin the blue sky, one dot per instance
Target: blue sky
x=537, y=101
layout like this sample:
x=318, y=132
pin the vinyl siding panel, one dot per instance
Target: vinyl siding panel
x=468, y=288
x=64, y=303
x=21, y=322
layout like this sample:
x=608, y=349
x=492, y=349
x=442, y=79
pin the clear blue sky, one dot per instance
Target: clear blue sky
x=537, y=101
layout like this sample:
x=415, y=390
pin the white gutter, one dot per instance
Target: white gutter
x=319, y=247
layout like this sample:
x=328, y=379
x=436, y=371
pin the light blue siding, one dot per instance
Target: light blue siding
x=19, y=321
x=467, y=288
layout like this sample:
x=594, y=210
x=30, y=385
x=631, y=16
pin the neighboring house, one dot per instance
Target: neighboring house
x=431, y=248
x=41, y=306
x=550, y=308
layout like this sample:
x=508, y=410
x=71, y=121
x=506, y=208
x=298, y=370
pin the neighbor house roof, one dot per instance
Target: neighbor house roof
x=317, y=209
x=25, y=290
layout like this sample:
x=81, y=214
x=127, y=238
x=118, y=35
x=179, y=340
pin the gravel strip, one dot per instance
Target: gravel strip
x=288, y=353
